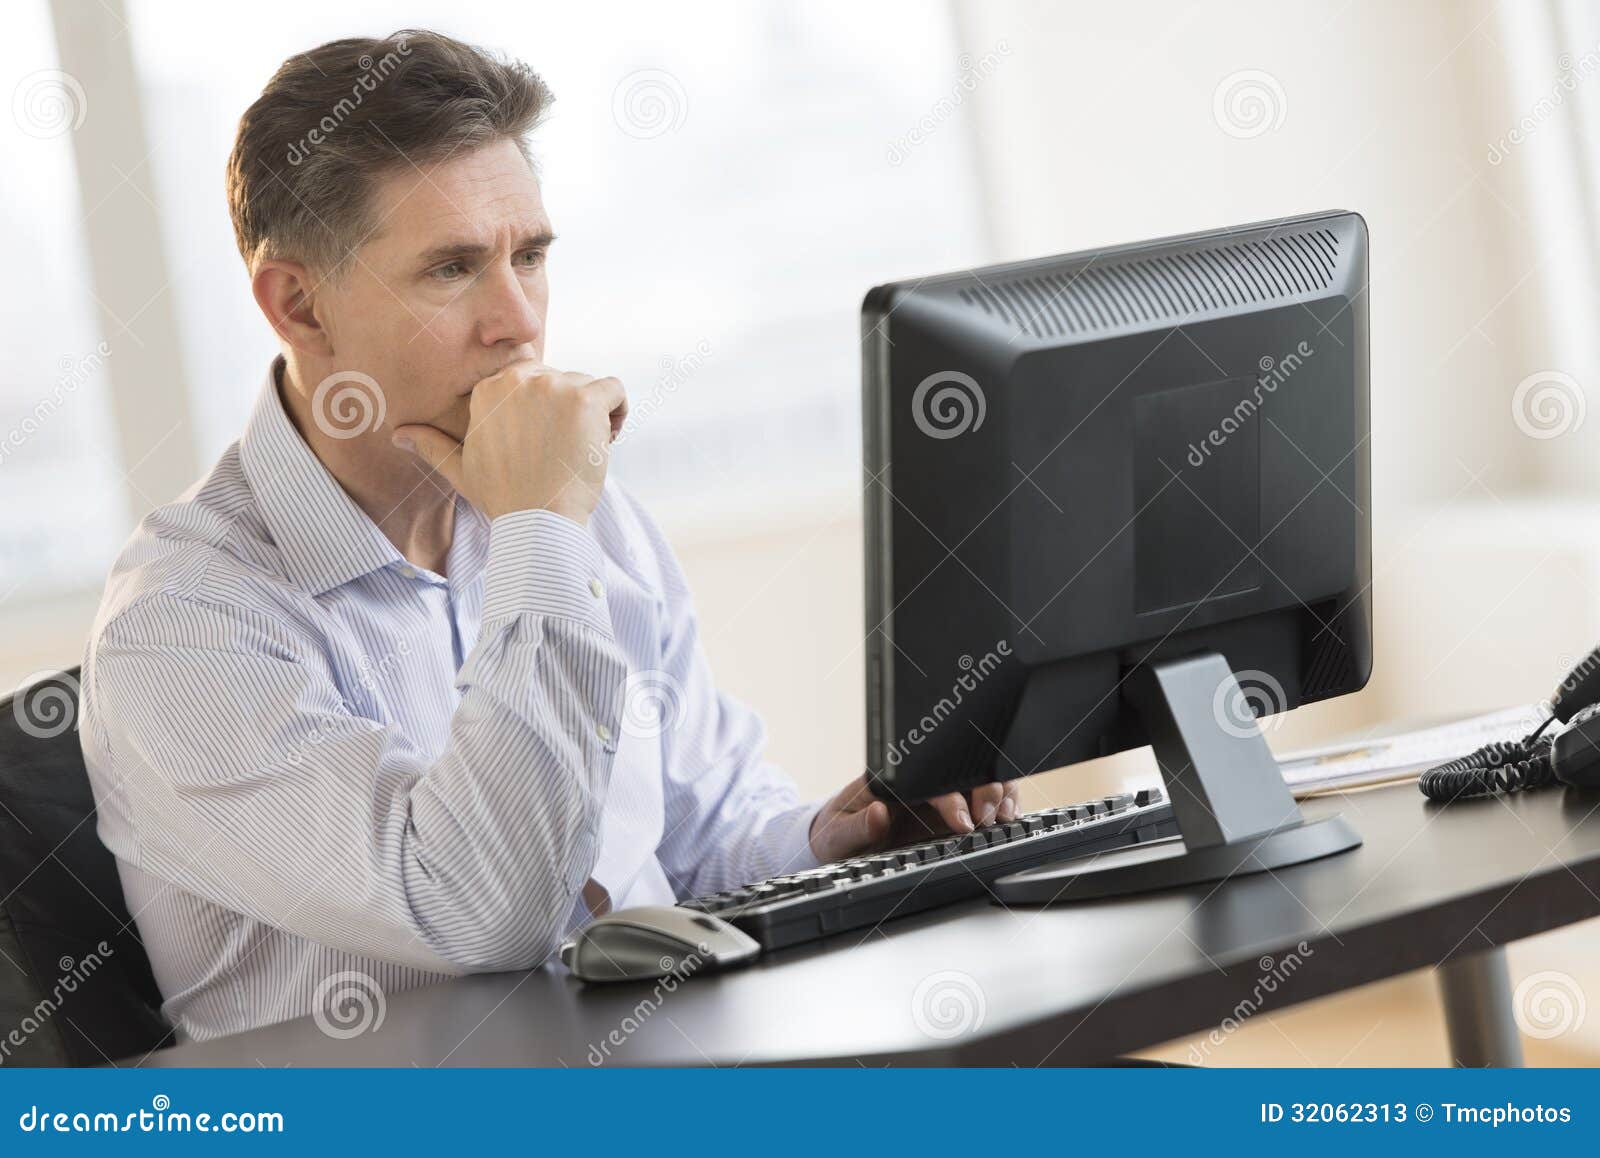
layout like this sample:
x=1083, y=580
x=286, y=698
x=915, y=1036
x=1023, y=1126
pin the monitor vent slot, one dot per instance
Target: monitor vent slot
x=1170, y=288
x=1329, y=664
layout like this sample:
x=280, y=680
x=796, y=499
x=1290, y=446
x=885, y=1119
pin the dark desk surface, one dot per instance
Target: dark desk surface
x=1058, y=986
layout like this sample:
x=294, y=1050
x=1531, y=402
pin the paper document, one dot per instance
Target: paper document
x=1358, y=762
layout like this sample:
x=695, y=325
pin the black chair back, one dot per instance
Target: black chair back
x=75, y=984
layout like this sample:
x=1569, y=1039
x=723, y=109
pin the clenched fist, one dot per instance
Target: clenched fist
x=531, y=435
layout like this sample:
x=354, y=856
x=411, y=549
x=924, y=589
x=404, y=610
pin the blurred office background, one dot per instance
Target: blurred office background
x=729, y=178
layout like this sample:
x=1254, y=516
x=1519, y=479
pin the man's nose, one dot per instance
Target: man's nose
x=509, y=316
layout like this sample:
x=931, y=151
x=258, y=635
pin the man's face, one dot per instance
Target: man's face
x=449, y=289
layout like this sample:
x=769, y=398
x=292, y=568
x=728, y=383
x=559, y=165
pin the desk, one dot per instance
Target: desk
x=1431, y=886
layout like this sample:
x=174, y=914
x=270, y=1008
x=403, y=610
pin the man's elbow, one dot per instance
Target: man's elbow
x=503, y=934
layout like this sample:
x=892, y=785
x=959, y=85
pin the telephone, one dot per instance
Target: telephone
x=1570, y=756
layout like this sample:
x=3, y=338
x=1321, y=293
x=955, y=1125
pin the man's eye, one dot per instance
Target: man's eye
x=532, y=258
x=450, y=271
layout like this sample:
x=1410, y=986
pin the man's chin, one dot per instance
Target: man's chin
x=454, y=421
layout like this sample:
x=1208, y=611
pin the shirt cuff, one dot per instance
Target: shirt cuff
x=542, y=563
x=788, y=837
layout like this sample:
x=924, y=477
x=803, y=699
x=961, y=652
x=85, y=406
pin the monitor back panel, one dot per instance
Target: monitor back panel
x=1081, y=463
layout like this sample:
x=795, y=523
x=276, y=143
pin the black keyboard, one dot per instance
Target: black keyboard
x=855, y=894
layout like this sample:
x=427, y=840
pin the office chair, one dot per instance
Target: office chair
x=63, y=1001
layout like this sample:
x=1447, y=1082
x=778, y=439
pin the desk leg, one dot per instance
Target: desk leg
x=1476, y=990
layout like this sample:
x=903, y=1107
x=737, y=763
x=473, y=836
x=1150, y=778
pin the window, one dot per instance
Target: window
x=63, y=505
x=727, y=181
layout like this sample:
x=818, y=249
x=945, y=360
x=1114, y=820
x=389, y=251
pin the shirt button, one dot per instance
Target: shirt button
x=604, y=733
x=596, y=588
x=408, y=572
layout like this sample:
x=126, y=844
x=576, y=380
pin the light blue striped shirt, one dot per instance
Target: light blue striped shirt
x=313, y=759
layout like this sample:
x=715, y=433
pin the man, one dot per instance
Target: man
x=404, y=687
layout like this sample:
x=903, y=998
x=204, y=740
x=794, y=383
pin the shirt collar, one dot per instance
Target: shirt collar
x=326, y=539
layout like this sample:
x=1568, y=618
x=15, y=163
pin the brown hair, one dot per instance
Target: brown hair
x=334, y=119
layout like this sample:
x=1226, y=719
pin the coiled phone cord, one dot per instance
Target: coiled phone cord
x=1503, y=766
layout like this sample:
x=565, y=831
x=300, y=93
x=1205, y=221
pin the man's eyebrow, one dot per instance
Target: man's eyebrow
x=457, y=250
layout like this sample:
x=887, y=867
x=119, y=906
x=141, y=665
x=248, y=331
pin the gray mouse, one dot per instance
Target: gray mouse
x=654, y=941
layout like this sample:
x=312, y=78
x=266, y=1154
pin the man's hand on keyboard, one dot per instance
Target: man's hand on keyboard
x=855, y=821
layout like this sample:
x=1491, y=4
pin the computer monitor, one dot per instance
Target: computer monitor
x=1116, y=498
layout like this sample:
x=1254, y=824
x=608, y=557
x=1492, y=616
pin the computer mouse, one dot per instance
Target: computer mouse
x=655, y=941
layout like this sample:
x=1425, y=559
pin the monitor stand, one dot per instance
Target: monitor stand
x=1235, y=813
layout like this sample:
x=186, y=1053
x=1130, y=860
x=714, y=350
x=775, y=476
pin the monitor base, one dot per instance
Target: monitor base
x=1235, y=814
x=1168, y=864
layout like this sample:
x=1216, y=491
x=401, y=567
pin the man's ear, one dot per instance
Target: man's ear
x=286, y=292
